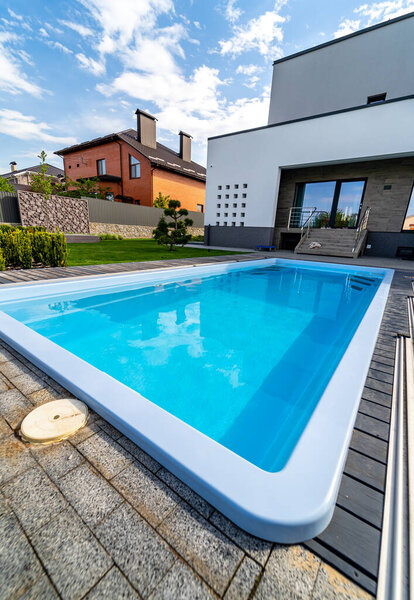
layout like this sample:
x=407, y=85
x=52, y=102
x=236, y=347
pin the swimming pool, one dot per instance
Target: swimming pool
x=243, y=379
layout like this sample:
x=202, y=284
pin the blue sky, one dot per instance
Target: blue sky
x=76, y=69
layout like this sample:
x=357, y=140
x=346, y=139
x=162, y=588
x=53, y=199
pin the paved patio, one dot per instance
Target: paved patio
x=96, y=517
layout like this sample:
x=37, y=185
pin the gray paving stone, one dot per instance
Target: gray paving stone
x=74, y=560
x=138, y=551
x=42, y=590
x=151, y=497
x=13, y=368
x=243, y=582
x=5, y=429
x=57, y=459
x=113, y=586
x=253, y=546
x=196, y=501
x=34, y=498
x=139, y=454
x=19, y=566
x=41, y=396
x=290, y=573
x=109, y=429
x=181, y=582
x=28, y=383
x=331, y=585
x=4, y=385
x=203, y=546
x=4, y=505
x=14, y=407
x=5, y=355
x=89, y=493
x=15, y=458
x=105, y=454
x=84, y=433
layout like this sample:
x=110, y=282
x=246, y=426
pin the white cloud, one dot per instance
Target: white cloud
x=14, y=15
x=25, y=127
x=231, y=12
x=95, y=67
x=43, y=32
x=81, y=29
x=59, y=46
x=197, y=24
x=12, y=79
x=262, y=34
x=248, y=69
x=376, y=12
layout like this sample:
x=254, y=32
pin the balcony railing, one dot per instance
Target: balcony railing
x=309, y=216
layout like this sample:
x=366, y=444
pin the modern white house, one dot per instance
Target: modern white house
x=335, y=163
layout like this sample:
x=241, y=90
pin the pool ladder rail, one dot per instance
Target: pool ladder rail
x=396, y=566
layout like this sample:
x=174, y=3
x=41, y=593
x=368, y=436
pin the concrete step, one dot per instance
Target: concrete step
x=81, y=238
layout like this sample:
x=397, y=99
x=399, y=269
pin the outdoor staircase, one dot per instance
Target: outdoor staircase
x=334, y=242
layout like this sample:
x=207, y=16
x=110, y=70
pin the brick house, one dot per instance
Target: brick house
x=21, y=178
x=135, y=167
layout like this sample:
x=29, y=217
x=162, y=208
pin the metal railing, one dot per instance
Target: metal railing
x=361, y=229
x=299, y=214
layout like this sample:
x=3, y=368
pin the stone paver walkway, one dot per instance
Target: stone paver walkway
x=95, y=517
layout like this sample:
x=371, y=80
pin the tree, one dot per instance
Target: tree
x=5, y=186
x=88, y=187
x=42, y=184
x=161, y=201
x=174, y=232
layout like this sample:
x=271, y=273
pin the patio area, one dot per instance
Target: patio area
x=96, y=517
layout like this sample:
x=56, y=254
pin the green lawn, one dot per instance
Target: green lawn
x=110, y=251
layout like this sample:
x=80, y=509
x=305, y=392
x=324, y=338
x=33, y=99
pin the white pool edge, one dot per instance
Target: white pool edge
x=292, y=505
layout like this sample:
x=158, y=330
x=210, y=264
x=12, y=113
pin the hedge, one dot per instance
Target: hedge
x=27, y=246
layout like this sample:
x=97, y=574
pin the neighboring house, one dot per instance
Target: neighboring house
x=135, y=167
x=21, y=178
x=339, y=141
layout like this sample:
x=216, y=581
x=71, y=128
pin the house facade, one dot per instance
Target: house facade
x=336, y=157
x=133, y=167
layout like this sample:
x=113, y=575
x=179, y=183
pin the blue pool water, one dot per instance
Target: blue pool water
x=243, y=357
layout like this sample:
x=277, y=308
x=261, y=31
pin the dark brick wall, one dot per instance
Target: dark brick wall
x=69, y=214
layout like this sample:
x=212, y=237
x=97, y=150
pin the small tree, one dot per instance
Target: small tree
x=5, y=186
x=161, y=201
x=174, y=232
x=42, y=184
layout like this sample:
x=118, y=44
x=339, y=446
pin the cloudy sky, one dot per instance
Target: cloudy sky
x=76, y=69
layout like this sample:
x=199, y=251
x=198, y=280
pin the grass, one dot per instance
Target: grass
x=110, y=251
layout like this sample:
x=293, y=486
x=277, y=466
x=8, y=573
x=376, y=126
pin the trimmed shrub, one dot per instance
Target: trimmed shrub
x=21, y=246
x=2, y=261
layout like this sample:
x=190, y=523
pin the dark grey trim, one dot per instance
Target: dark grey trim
x=327, y=114
x=345, y=37
x=386, y=243
x=238, y=237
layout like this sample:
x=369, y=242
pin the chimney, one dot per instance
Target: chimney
x=185, y=146
x=146, y=129
x=13, y=166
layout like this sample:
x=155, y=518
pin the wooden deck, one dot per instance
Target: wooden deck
x=351, y=543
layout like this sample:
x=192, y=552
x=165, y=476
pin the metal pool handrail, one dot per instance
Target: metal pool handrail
x=363, y=224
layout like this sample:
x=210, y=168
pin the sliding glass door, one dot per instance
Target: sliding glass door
x=336, y=203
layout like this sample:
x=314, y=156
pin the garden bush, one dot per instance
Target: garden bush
x=24, y=246
x=110, y=236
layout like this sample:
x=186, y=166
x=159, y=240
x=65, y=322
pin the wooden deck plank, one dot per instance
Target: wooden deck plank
x=369, y=446
x=372, y=426
x=361, y=500
x=373, y=409
x=365, y=469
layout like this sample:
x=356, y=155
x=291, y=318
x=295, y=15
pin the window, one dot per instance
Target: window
x=227, y=187
x=218, y=205
x=101, y=166
x=337, y=203
x=217, y=222
x=219, y=187
x=408, y=224
x=376, y=98
x=236, y=186
x=226, y=214
x=226, y=206
x=227, y=196
x=70, y=166
x=241, y=224
x=235, y=205
x=245, y=185
x=243, y=205
x=242, y=214
x=77, y=165
x=234, y=214
x=235, y=195
x=225, y=223
x=134, y=168
x=218, y=196
x=200, y=208
x=244, y=195
x=233, y=223
x=217, y=214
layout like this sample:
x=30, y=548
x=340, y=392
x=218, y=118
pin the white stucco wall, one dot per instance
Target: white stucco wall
x=344, y=74
x=255, y=158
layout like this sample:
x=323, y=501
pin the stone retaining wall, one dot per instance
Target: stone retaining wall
x=132, y=231
x=69, y=214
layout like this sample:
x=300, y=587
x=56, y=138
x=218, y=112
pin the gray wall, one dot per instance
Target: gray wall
x=237, y=237
x=386, y=244
x=343, y=74
x=102, y=211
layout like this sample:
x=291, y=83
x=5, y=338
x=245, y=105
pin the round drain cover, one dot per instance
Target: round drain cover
x=54, y=421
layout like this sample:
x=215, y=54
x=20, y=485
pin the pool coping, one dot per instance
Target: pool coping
x=200, y=455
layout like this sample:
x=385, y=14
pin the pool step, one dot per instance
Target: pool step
x=334, y=242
